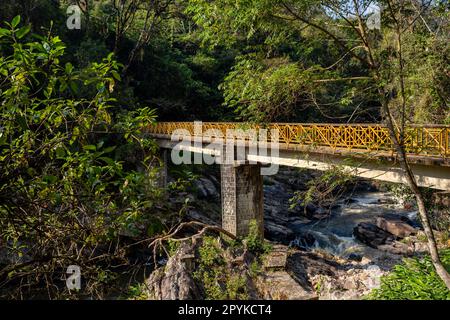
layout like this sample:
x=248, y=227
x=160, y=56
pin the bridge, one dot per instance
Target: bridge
x=246, y=151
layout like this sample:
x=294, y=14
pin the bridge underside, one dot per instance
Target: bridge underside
x=430, y=173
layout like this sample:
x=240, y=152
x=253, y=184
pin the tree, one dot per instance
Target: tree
x=71, y=166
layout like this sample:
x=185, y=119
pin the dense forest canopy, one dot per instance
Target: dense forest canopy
x=256, y=60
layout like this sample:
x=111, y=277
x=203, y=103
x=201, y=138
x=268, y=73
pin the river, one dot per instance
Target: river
x=335, y=234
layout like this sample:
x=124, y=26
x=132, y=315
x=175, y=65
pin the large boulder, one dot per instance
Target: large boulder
x=280, y=285
x=372, y=235
x=334, y=279
x=314, y=212
x=277, y=232
x=195, y=215
x=174, y=281
x=397, y=247
x=396, y=225
x=206, y=189
x=380, y=239
x=304, y=241
x=279, y=281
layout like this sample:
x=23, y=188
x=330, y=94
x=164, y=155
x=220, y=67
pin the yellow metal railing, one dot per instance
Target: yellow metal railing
x=419, y=140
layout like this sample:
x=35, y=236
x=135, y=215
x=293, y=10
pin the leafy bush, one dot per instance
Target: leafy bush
x=415, y=279
x=216, y=276
x=254, y=241
x=69, y=160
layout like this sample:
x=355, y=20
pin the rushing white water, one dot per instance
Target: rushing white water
x=335, y=234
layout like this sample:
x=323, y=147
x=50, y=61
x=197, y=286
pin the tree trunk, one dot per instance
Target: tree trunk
x=411, y=181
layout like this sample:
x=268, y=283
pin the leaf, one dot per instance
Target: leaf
x=73, y=86
x=31, y=171
x=60, y=152
x=75, y=134
x=50, y=179
x=69, y=68
x=116, y=75
x=109, y=149
x=4, y=32
x=111, y=86
x=22, y=122
x=23, y=31
x=38, y=37
x=90, y=147
x=63, y=86
x=46, y=47
x=15, y=22
x=101, y=87
x=107, y=160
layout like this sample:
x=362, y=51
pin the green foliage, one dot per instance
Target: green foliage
x=318, y=33
x=415, y=279
x=254, y=241
x=183, y=178
x=425, y=70
x=172, y=246
x=210, y=252
x=71, y=150
x=67, y=186
x=325, y=189
x=255, y=268
x=135, y=292
x=401, y=192
x=439, y=215
x=275, y=76
x=218, y=279
x=266, y=91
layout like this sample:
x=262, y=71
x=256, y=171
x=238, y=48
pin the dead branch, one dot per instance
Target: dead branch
x=171, y=236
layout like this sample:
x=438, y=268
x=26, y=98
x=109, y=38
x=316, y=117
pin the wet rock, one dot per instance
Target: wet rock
x=302, y=265
x=350, y=201
x=277, y=218
x=398, y=248
x=396, y=225
x=355, y=257
x=371, y=235
x=314, y=212
x=277, y=232
x=304, y=241
x=206, y=189
x=174, y=281
x=364, y=186
x=380, y=239
x=200, y=217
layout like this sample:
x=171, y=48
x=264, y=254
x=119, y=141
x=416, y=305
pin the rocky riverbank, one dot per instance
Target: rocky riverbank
x=338, y=253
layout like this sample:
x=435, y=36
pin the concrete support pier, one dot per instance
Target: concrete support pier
x=242, y=198
x=160, y=163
